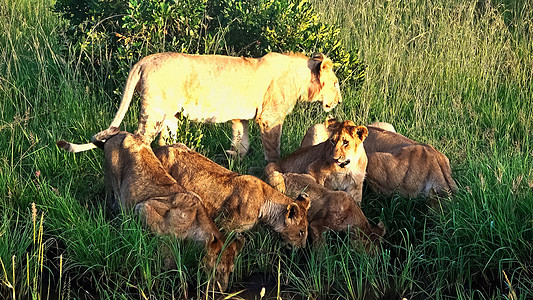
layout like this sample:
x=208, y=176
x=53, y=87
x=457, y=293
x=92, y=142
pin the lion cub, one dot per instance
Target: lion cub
x=329, y=210
x=397, y=164
x=242, y=200
x=139, y=181
x=338, y=163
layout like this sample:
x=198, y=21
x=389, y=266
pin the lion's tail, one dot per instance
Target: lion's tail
x=70, y=147
x=131, y=85
x=97, y=143
x=129, y=89
x=98, y=139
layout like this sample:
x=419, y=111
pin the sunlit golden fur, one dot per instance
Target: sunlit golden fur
x=139, y=182
x=318, y=133
x=397, y=164
x=339, y=163
x=241, y=200
x=383, y=125
x=329, y=210
x=216, y=88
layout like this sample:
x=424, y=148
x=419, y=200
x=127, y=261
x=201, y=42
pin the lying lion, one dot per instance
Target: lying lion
x=216, y=88
x=397, y=164
x=242, y=200
x=139, y=181
x=338, y=163
x=329, y=210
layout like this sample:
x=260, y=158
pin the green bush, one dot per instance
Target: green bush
x=109, y=36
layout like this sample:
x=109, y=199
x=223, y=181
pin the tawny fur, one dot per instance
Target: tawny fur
x=242, y=200
x=383, y=125
x=318, y=133
x=339, y=163
x=139, y=182
x=215, y=88
x=397, y=164
x=329, y=210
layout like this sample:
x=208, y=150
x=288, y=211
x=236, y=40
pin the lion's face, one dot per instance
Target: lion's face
x=344, y=142
x=224, y=262
x=330, y=93
x=326, y=87
x=294, y=231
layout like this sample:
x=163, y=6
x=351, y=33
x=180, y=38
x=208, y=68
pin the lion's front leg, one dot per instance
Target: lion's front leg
x=271, y=139
x=240, y=142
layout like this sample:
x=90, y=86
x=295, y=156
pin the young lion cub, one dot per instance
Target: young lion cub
x=338, y=163
x=397, y=164
x=243, y=200
x=329, y=210
x=140, y=182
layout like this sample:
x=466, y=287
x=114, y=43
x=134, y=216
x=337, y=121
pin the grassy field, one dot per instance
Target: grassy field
x=454, y=75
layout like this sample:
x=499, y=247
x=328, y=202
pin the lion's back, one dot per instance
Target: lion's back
x=208, y=88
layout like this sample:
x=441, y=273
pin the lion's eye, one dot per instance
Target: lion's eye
x=301, y=233
x=345, y=143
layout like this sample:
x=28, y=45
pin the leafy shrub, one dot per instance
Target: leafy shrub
x=113, y=34
x=256, y=27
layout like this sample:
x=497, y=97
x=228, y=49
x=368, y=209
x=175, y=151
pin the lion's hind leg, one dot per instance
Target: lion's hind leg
x=271, y=139
x=151, y=123
x=240, y=142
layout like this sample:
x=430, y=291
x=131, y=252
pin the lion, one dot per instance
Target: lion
x=140, y=182
x=339, y=163
x=397, y=164
x=329, y=210
x=242, y=200
x=217, y=89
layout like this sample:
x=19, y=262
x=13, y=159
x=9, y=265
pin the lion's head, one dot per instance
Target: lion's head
x=294, y=230
x=223, y=261
x=344, y=142
x=325, y=85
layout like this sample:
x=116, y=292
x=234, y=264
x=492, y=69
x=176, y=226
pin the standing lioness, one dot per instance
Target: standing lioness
x=216, y=88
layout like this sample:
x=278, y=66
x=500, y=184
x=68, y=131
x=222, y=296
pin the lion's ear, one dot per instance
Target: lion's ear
x=330, y=120
x=326, y=64
x=332, y=124
x=104, y=135
x=303, y=200
x=362, y=132
x=293, y=215
x=317, y=56
x=319, y=63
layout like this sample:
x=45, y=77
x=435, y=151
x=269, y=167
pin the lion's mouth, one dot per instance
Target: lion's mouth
x=342, y=163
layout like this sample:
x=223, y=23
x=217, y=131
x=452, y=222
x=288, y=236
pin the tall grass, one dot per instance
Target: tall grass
x=453, y=74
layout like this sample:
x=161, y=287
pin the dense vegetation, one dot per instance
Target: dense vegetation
x=452, y=74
